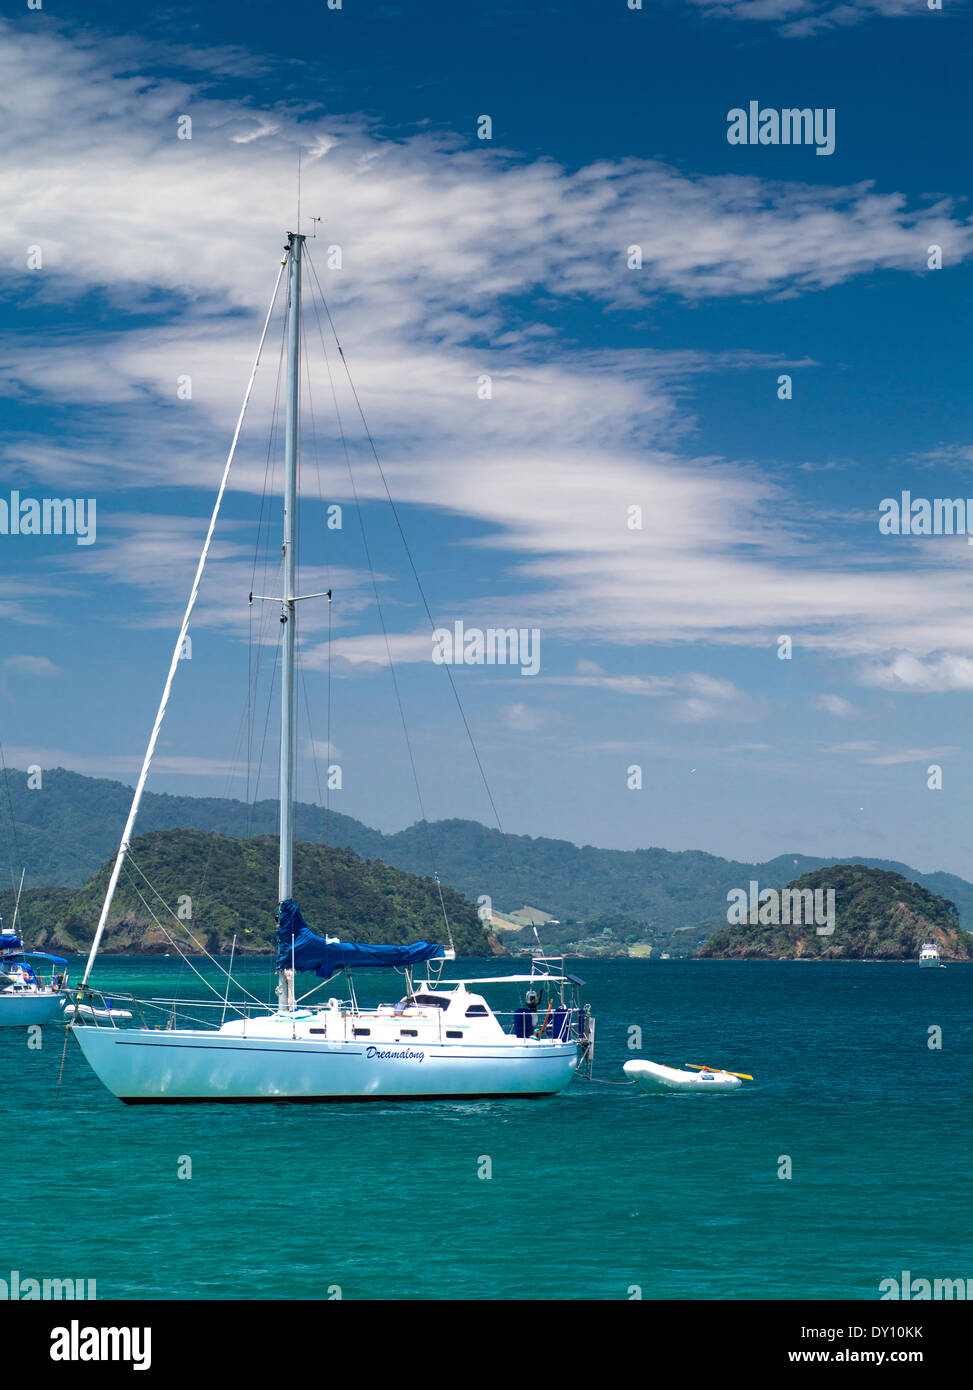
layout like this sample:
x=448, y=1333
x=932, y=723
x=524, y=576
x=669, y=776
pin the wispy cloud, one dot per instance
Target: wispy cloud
x=26, y=665
x=521, y=717
x=833, y=704
x=694, y=696
x=439, y=242
x=906, y=672
x=122, y=764
x=909, y=755
x=801, y=18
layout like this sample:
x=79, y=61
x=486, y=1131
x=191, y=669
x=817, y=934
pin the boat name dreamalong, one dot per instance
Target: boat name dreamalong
x=774, y=907
x=917, y=516
x=49, y=516
x=789, y=126
x=497, y=646
x=77, y=1343
x=405, y=1054
x=15, y=1289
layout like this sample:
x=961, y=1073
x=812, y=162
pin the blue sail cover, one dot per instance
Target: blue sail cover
x=297, y=944
x=10, y=943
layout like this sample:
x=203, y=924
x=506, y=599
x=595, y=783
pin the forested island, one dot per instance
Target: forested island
x=178, y=882
x=878, y=916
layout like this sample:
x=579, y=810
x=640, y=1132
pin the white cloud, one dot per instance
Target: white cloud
x=26, y=665
x=369, y=652
x=946, y=455
x=439, y=240
x=799, y=18
x=322, y=748
x=622, y=685
x=908, y=673
x=710, y=698
x=520, y=716
x=694, y=696
x=258, y=133
x=124, y=764
x=432, y=232
x=909, y=755
x=833, y=704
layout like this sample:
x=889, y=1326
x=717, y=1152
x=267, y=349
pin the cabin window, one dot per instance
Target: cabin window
x=453, y=1033
x=409, y=1033
x=477, y=1011
x=319, y=1030
x=435, y=1000
x=361, y=1032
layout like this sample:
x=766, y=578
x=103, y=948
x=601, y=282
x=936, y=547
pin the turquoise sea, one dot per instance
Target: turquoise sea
x=592, y=1193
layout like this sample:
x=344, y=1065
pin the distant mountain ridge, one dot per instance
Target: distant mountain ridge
x=66, y=830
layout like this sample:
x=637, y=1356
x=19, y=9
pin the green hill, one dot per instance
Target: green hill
x=878, y=916
x=65, y=831
x=230, y=886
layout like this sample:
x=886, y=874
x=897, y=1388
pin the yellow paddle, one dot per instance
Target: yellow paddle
x=741, y=1074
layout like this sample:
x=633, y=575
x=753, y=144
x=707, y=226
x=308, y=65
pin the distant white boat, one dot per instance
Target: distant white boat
x=929, y=956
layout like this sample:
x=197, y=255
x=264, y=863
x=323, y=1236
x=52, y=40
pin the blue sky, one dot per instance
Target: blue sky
x=612, y=387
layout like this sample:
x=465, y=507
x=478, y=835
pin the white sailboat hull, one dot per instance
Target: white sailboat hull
x=147, y=1065
x=25, y=1010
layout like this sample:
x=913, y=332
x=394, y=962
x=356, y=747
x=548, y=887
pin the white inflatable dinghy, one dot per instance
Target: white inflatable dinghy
x=653, y=1076
x=88, y=1011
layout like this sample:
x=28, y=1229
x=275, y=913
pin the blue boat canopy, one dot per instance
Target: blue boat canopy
x=297, y=944
x=43, y=955
x=10, y=943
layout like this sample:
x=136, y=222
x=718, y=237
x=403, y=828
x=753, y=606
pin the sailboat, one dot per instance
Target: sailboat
x=439, y=1039
x=25, y=997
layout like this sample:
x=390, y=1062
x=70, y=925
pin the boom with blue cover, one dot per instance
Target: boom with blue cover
x=298, y=945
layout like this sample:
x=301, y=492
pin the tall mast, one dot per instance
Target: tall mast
x=289, y=609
